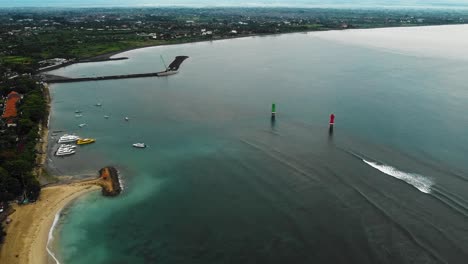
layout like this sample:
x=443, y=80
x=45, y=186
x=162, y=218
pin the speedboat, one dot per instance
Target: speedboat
x=139, y=145
x=83, y=141
x=63, y=151
x=126, y=118
x=82, y=125
x=98, y=104
x=67, y=146
x=106, y=116
x=68, y=138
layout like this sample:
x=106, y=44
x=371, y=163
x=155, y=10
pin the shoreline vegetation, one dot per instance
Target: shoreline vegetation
x=30, y=223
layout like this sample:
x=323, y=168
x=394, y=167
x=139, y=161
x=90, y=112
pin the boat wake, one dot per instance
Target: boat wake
x=420, y=182
x=51, y=237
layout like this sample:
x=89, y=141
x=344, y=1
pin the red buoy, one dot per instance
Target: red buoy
x=332, y=119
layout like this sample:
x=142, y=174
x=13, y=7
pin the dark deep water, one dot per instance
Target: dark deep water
x=221, y=183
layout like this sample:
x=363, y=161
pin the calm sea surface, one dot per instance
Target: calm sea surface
x=221, y=183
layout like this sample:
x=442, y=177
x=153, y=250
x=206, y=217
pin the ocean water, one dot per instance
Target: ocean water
x=222, y=183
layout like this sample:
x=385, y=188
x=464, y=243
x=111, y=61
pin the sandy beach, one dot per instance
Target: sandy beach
x=27, y=234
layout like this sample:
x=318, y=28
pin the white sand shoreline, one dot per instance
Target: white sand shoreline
x=28, y=233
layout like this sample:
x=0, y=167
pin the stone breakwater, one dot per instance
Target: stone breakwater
x=170, y=70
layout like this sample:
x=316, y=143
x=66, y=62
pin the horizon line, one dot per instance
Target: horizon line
x=254, y=5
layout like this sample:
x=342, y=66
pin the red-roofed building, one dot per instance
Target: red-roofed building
x=10, y=112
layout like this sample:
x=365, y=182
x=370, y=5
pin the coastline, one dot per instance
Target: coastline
x=41, y=146
x=108, y=55
x=28, y=233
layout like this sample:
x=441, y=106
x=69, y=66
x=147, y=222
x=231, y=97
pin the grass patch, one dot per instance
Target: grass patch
x=16, y=60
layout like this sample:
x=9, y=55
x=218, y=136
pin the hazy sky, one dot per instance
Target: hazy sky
x=309, y=3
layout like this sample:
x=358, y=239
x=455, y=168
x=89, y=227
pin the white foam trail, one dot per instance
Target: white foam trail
x=120, y=181
x=51, y=237
x=420, y=182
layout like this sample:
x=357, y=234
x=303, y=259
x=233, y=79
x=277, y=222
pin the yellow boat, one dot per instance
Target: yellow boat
x=83, y=141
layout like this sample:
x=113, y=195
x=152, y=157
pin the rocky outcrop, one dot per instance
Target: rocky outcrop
x=109, y=181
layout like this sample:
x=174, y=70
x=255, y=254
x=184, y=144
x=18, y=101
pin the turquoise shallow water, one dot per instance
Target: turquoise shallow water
x=222, y=183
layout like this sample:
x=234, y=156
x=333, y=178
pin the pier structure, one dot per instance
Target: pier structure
x=173, y=68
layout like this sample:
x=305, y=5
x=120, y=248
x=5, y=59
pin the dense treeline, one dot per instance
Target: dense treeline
x=17, y=144
x=32, y=35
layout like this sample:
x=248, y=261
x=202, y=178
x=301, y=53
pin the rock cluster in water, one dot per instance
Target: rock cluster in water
x=109, y=181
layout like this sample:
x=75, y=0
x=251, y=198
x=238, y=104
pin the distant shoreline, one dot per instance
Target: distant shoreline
x=108, y=55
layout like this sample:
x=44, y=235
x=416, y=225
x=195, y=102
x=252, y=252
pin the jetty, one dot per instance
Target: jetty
x=173, y=68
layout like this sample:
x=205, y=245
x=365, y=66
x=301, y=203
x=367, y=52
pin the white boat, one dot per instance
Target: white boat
x=78, y=115
x=82, y=125
x=64, y=152
x=106, y=116
x=65, y=146
x=98, y=104
x=68, y=138
x=139, y=145
x=126, y=118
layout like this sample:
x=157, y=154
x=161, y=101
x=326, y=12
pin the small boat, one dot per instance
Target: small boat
x=77, y=111
x=83, y=141
x=106, y=116
x=65, y=150
x=67, y=146
x=126, y=118
x=139, y=145
x=78, y=115
x=98, y=104
x=82, y=125
x=68, y=138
